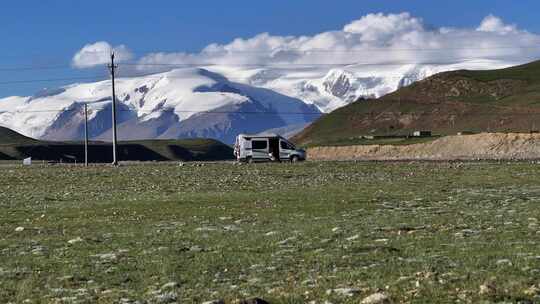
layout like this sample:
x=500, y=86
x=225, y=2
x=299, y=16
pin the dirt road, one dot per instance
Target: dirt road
x=485, y=146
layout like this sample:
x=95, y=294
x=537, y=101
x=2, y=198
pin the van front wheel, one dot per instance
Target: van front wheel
x=294, y=159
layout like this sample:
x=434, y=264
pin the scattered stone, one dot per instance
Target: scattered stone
x=19, y=229
x=38, y=250
x=231, y=228
x=107, y=257
x=129, y=301
x=503, y=262
x=487, y=288
x=286, y=241
x=195, y=248
x=167, y=297
x=67, y=278
x=376, y=298
x=170, y=285
x=532, y=291
x=68, y=299
x=256, y=266
x=203, y=229
x=214, y=302
x=75, y=240
x=352, y=238
x=344, y=292
x=270, y=233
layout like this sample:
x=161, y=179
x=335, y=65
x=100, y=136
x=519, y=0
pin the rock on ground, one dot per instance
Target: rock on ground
x=376, y=298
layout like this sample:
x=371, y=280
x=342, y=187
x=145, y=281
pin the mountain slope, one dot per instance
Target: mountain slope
x=16, y=146
x=9, y=137
x=494, y=100
x=155, y=106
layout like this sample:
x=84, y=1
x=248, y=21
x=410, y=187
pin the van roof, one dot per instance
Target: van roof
x=260, y=135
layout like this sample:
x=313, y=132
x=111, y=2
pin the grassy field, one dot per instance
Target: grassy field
x=337, y=232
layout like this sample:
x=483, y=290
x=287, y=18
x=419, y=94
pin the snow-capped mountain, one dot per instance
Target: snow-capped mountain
x=176, y=104
x=215, y=101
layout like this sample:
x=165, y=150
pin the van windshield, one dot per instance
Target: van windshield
x=287, y=145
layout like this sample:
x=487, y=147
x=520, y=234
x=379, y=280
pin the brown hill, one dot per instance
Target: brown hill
x=506, y=100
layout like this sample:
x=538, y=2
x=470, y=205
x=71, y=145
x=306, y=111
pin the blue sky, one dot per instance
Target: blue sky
x=49, y=33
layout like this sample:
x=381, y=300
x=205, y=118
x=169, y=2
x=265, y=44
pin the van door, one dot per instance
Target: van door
x=285, y=149
x=259, y=147
x=245, y=148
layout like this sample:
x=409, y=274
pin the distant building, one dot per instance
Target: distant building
x=422, y=134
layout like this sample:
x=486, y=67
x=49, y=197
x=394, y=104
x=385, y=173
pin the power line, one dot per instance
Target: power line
x=322, y=50
x=242, y=112
x=298, y=50
x=190, y=78
x=164, y=111
x=352, y=63
x=33, y=68
x=48, y=80
x=259, y=77
x=240, y=64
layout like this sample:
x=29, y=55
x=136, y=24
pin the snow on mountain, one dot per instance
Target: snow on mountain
x=214, y=101
x=155, y=106
x=332, y=88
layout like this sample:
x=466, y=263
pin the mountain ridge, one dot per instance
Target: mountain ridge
x=501, y=100
x=14, y=146
x=217, y=101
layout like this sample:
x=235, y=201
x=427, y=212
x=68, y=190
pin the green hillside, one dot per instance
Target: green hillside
x=16, y=146
x=496, y=100
x=9, y=137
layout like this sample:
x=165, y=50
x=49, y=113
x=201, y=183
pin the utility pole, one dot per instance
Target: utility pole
x=86, y=135
x=113, y=68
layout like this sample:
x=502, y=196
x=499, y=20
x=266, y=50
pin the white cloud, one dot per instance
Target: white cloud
x=372, y=39
x=378, y=26
x=496, y=25
x=99, y=53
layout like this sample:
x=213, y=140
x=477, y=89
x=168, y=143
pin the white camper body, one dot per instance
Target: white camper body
x=266, y=147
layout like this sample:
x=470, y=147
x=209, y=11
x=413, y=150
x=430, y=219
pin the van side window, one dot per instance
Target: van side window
x=286, y=146
x=259, y=144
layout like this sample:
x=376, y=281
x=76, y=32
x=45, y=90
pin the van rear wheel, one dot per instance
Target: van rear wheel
x=294, y=159
x=249, y=160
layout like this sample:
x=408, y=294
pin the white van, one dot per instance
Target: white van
x=266, y=147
